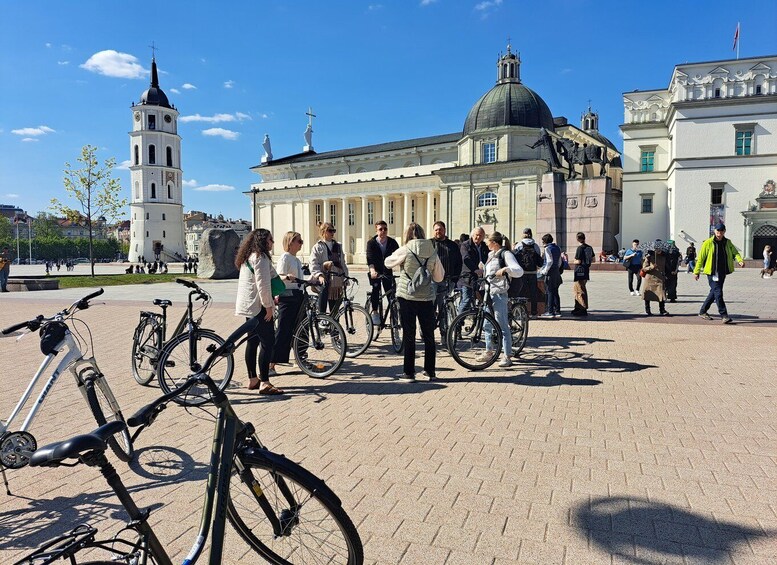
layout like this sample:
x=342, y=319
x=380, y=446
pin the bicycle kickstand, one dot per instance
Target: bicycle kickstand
x=5, y=480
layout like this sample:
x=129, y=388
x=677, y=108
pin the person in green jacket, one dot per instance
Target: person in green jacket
x=716, y=260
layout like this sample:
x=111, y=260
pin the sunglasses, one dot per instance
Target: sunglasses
x=299, y=241
x=382, y=229
x=332, y=230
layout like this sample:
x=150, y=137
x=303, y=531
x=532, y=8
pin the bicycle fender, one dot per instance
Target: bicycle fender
x=277, y=460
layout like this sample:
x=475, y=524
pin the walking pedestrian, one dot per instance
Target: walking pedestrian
x=716, y=260
x=529, y=257
x=327, y=259
x=767, y=256
x=254, y=300
x=654, y=266
x=500, y=267
x=632, y=261
x=290, y=302
x=378, y=248
x=552, y=275
x=5, y=268
x=450, y=257
x=474, y=252
x=584, y=256
x=690, y=257
x=415, y=294
x=673, y=259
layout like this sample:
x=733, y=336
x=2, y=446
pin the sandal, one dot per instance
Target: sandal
x=270, y=389
x=254, y=386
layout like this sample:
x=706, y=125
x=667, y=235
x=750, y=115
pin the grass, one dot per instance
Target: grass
x=79, y=281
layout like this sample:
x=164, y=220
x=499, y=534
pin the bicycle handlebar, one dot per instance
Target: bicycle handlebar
x=146, y=415
x=188, y=283
x=38, y=321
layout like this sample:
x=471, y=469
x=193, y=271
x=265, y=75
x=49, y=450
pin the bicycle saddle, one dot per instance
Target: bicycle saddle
x=53, y=454
x=162, y=302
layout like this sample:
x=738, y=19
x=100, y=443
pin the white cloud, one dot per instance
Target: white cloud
x=264, y=116
x=221, y=132
x=11, y=195
x=63, y=62
x=241, y=116
x=48, y=45
x=124, y=165
x=229, y=84
x=188, y=86
x=373, y=7
x=175, y=91
x=114, y=64
x=189, y=183
x=28, y=139
x=427, y=2
x=214, y=188
x=40, y=130
x=215, y=118
x=488, y=4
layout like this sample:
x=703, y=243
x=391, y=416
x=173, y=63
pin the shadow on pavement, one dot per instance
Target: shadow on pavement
x=644, y=532
x=554, y=354
x=527, y=378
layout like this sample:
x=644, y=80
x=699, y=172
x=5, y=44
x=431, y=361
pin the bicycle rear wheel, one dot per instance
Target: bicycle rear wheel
x=519, y=327
x=319, y=350
x=467, y=340
x=396, y=328
x=146, y=344
x=314, y=528
x=357, y=325
x=182, y=357
x=105, y=409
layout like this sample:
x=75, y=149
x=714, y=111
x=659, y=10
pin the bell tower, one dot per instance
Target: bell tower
x=156, y=203
x=589, y=121
x=508, y=67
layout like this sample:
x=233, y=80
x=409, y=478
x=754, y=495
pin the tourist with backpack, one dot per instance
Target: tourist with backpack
x=632, y=262
x=419, y=267
x=503, y=271
x=529, y=257
x=584, y=256
x=551, y=270
x=327, y=258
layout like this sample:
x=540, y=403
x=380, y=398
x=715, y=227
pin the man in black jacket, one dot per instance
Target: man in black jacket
x=378, y=248
x=450, y=257
x=474, y=252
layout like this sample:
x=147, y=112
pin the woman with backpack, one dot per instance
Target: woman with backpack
x=326, y=259
x=529, y=257
x=419, y=266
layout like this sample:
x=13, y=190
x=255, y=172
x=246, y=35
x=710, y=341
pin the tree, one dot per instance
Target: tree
x=6, y=229
x=95, y=190
x=46, y=226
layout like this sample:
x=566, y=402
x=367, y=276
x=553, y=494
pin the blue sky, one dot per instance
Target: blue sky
x=373, y=72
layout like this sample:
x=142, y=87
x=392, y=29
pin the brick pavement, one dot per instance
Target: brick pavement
x=619, y=439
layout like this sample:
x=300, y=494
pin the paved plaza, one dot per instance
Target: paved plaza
x=618, y=439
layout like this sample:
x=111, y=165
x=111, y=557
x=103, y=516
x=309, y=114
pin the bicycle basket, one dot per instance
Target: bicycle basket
x=51, y=335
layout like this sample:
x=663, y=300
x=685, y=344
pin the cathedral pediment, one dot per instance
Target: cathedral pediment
x=719, y=71
x=760, y=68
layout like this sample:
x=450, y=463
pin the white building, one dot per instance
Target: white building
x=701, y=151
x=156, y=204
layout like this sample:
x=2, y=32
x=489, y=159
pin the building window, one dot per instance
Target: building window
x=647, y=160
x=147, y=214
x=318, y=214
x=647, y=203
x=169, y=192
x=137, y=155
x=152, y=155
x=146, y=234
x=758, y=89
x=487, y=199
x=169, y=156
x=717, y=93
x=153, y=190
x=163, y=217
x=412, y=209
x=716, y=196
x=744, y=141
x=391, y=212
x=151, y=121
x=351, y=215
x=333, y=214
x=137, y=190
x=489, y=152
x=163, y=233
x=371, y=213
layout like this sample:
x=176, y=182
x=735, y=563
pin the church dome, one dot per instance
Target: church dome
x=509, y=104
x=155, y=96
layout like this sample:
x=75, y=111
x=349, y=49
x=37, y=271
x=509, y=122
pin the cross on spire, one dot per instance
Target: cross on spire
x=153, y=50
x=310, y=116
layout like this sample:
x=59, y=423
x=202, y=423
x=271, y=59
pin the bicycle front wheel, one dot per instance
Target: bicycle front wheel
x=146, y=344
x=396, y=329
x=312, y=526
x=319, y=348
x=519, y=327
x=105, y=409
x=357, y=325
x=468, y=343
x=181, y=357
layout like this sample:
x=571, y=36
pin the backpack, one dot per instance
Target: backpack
x=514, y=290
x=527, y=258
x=421, y=279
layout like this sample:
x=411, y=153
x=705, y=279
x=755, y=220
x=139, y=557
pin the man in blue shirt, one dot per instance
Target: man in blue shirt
x=632, y=260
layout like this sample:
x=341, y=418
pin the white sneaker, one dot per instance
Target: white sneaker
x=485, y=356
x=505, y=362
x=375, y=318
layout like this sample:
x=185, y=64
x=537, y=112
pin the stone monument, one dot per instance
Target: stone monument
x=218, y=249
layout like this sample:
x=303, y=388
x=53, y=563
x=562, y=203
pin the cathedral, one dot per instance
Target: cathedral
x=156, y=203
x=513, y=165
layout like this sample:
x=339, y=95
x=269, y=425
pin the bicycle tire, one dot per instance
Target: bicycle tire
x=358, y=327
x=175, y=365
x=313, y=355
x=145, y=351
x=450, y=314
x=101, y=402
x=467, y=340
x=396, y=328
x=519, y=327
x=334, y=537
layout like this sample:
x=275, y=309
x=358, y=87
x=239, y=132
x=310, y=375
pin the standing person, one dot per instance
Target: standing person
x=474, y=252
x=716, y=260
x=690, y=257
x=378, y=248
x=290, y=302
x=550, y=270
x=584, y=256
x=767, y=256
x=5, y=268
x=416, y=303
x=450, y=257
x=501, y=266
x=653, y=290
x=327, y=258
x=529, y=257
x=254, y=300
x=673, y=259
x=632, y=260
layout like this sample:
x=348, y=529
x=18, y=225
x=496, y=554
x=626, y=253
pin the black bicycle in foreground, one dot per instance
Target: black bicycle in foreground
x=285, y=513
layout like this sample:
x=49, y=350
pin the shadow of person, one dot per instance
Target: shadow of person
x=644, y=532
x=528, y=378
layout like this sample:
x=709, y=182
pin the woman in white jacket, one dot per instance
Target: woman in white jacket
x=254, y=300
x=499, y=268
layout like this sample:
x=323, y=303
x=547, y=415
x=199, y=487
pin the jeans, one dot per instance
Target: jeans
x=409, y=311
x=500, y=312
x=263, y=339
x=634, y=272
x=691, y=265
x=552, y=300
x=715, y=295
x=467, y=294
x=4, y=279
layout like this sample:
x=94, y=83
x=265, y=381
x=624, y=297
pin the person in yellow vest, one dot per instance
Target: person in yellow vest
x=716, y=260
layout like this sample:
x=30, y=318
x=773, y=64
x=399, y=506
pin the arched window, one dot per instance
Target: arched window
x=137, y=190
x=163, y=234
x=137, y=155
x=169, y=191
x=169, y=156
x=487, y=199
x=152, y=155
x=153, y=189
x=147, y=215
x=163, y=217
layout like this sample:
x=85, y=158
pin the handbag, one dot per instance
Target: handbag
x=642, y=273
x=277, y=286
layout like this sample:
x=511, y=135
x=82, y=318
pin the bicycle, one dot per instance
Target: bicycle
x=389, y=317
x=180, y=355
x=17, y=447
x=450, y=310
x=319, y=342
x=355, y=319
x=284, y=512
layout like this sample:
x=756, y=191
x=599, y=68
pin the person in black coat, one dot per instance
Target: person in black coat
x=474, y=253
x=378, y=248
x=450, y=256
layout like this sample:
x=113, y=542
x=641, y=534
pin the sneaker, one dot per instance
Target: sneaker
x=485, y=356
x=505, y=362
x=635, y=293
x=375, y=318
x=408, y=378
x=546, y=315
x=557, y=315
x=430, y=376
x=705, y=316
x=727, y=320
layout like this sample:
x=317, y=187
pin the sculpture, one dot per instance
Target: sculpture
x=309, y=136
x=569, y=150
x=546, y=142
x=267, y=149
x=596, y=154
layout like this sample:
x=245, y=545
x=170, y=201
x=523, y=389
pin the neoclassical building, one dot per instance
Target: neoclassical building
x=504, y=171
x=703, y=150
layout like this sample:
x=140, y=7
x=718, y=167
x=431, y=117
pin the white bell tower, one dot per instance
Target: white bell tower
x=156, y=205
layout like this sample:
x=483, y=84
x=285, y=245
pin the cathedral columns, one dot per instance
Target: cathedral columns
x=429, y=212
x=384, y=207
x=345, y=237
x=325, y=217
x=405, y=210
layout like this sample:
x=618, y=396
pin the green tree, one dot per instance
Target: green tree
x=6, y=229
x=96, y=191
x=46, y=226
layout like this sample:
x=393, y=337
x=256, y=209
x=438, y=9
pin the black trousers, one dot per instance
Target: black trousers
x=324, y=301
x=289, y=314
x=376, y=284
x=423, y=311
x=634, y=272
x=263, y=339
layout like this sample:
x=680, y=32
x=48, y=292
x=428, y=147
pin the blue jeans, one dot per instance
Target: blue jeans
x=500, y=311
x=691, y=265
x=552, y=300
x=715, y=295
x=4, y=279
x=467, y=293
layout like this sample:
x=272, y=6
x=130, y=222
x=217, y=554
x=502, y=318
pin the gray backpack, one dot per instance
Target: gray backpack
x=421, y=279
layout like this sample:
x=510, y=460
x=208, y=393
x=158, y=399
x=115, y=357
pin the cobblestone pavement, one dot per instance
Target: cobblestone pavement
x=618, y=439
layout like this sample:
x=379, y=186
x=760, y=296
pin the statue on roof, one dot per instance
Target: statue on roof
x=267, y=149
